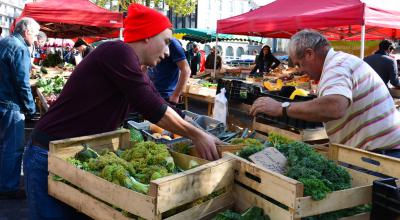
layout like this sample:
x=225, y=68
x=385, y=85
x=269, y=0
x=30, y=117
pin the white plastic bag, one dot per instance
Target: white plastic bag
x=220, y=110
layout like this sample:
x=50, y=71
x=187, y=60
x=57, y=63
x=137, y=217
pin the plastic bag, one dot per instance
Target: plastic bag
x=220, y=111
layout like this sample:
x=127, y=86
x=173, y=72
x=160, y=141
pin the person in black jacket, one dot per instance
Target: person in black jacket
x=265, y=61
x=383, y=64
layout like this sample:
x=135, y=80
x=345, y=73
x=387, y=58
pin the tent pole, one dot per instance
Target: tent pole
x=362, y=41
x=120, y=33
x=215, y=55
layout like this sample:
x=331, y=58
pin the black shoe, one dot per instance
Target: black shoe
x=20, y=194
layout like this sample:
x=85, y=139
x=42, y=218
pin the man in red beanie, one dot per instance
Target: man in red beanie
x=103, y=88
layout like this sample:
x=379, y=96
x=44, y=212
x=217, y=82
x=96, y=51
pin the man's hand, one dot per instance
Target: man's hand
x=174, y=98
x=205, y=145
x=267, y=106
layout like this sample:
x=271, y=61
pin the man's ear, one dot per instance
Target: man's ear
x=26, y=32
x=146, y=40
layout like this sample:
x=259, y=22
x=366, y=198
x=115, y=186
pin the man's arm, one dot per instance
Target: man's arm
x=323, y=109
x=393, y=77
x=183, y=78
x=276, y=62
x=204, y=143
x=21, y=67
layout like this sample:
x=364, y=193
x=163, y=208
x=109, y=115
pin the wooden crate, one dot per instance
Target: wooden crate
x=96, y=195
x=42, y=100
x=318, y=134
x=221, y=149
x=289, y=192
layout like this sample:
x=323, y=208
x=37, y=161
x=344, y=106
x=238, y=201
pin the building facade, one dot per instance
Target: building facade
x=9, y=11
x=209, y=11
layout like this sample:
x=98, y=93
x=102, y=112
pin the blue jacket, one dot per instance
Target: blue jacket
x=15, y=65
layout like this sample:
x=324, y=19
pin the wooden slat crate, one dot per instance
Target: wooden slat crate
x=164, y=194
x=42, y=99
x=221, y=149
x=318, y=134
x=289, y=192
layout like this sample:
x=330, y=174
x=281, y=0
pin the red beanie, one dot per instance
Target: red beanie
x=143, y=22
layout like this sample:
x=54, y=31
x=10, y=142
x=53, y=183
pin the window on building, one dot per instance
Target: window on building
x=220, y=5
x=229, y=52
x=239, y=51
x=219, y=49
x=209, y=4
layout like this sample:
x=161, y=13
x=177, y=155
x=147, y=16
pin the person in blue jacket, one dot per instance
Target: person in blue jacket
x=16, y=102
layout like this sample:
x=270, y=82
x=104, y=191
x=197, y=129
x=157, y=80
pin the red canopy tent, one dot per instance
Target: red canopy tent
x=73, y=18
x=336, y=19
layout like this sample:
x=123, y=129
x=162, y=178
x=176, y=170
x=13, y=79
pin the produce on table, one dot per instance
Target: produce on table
x=252, y=146
x=51, y=88
x=135, y=135
x=133, y=168
x=43, y=70
x=209, y=85
x=158, y=132
x=318, y=174
x=254, y=213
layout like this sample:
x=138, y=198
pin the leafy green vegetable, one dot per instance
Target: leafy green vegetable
x=253, y=213
x=136, y=136
x=86, y=153
x=52, y=85
x=252, y=146
x=319, y=175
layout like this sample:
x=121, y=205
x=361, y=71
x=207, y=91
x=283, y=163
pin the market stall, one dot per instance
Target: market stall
x=75, y=18
x=337, y=19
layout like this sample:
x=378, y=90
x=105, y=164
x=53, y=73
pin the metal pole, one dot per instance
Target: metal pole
x=362, y=41
x=215, y=55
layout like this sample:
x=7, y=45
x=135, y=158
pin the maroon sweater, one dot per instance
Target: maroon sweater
x=99, y=94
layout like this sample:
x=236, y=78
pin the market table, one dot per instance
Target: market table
x=209, y=99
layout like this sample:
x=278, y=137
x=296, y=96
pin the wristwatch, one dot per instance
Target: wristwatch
x=285, y=107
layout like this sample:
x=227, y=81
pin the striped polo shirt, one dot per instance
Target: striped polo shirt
x=371, y=121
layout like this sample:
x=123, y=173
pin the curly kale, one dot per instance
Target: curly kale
x=252, y=146
x=319, y=175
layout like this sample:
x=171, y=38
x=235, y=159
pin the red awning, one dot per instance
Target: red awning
x=72, y=18
x=336, y=19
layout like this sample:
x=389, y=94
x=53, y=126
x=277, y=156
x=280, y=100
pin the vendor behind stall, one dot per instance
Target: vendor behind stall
x=97, y=97
x=265, y=62
x=353, y=102
x=83, y=48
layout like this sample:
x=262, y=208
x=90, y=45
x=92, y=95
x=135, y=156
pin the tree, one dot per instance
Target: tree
x=181, y=7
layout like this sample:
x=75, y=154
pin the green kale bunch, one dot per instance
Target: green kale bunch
x=318, y=174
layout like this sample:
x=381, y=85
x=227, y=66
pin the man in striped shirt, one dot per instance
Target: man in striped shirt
x=353, y=102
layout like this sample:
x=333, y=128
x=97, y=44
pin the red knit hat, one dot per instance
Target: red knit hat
x=143, y=22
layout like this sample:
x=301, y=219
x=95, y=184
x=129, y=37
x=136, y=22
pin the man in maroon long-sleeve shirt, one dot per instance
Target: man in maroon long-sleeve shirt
x=97, y=97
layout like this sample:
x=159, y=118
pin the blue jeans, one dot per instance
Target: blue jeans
x=41, y=205
x=12, y=135
x=394, y=154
